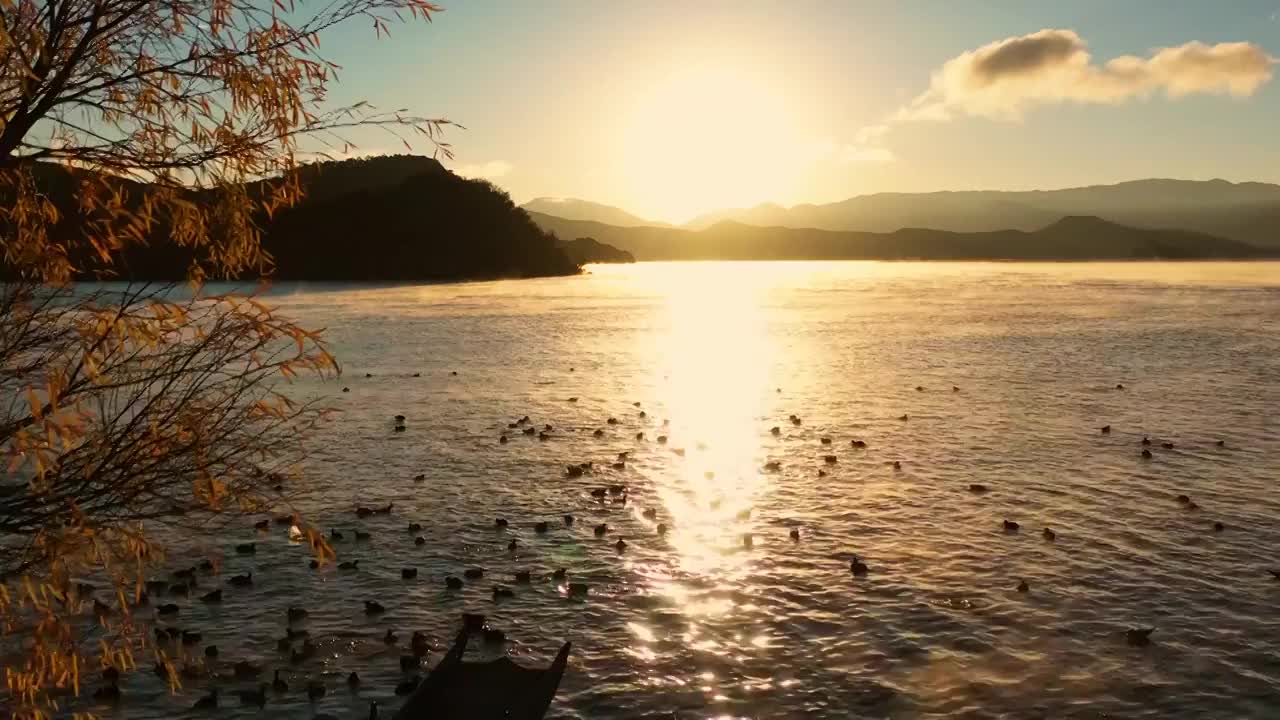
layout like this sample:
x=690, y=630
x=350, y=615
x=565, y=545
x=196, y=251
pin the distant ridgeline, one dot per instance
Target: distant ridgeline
x=397, y=218
x=1068, y=238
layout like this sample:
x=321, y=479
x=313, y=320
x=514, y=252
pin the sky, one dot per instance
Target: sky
x=670, y=109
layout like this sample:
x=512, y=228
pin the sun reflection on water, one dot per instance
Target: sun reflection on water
x=717, y=358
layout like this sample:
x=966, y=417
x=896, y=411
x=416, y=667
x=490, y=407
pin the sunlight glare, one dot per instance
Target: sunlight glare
x=709, y=137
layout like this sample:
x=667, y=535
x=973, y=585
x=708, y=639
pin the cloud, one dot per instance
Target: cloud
x=1004, y=79
x=489, y=171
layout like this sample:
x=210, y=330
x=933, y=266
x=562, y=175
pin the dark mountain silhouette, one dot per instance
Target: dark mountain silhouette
x=1069, y=238
x=589, y=250
x=1248, y=212
x=395, y=218
x=573, y=209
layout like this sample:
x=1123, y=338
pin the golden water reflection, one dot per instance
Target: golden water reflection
x=716, y=357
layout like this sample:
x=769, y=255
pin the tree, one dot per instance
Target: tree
x=125, y=406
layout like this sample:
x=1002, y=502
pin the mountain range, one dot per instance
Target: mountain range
x=1248, y=212
x=1067, y=238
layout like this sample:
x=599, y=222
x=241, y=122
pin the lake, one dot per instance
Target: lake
x=993, y=373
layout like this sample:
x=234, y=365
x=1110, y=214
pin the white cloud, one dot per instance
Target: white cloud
x=488, y=171
x=1004, y=79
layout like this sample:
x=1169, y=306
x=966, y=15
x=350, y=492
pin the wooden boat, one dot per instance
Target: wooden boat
x=457, y=690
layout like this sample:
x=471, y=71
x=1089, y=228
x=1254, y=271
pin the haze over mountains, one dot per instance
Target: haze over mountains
x=1247, y=212
x=1068, y=238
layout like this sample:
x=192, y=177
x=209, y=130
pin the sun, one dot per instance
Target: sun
x=705, y=138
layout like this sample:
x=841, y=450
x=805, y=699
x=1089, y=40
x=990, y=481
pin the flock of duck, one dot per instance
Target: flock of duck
x=297, y=647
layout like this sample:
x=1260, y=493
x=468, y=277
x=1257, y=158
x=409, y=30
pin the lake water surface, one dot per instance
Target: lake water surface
x=1017, y=367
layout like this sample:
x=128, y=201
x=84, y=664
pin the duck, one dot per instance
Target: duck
x=473, y=573
x=678, y=451
x=543, y=436
x=246, y=548
x=1011, y=526
x=500, y=523
x=500, y=592
x=598, y=433
x=643, y=415
x=1146, y=440
x=860, y=444
x=829, y=459
x=245, y=670
x=977, y=488
x=617, y=489
x=108, y=693
x=857, y=566
x=620, y=545
x=620, y=465
x=1275, y=574
x=599, y=493
x=897, y=464
x=1222, y=443
x=373, y=607
x=955, y=388
x=502, y=440
x=795, y=420
x=523, y=577
x=611, y=421
x=640, y=436
x=1119, y=386
x=578, y=589
x=294, y=614
x=541, y=527
x=335, y=535
x=573, y=399
x=349, y=565
x=561, y=574
x=254, y=697
x=362, y=536
x=418, y=644
x=530, y=431
x=263, y=525
x=191, y=637
x=409, y=663
x=419, y=541
x=1183, y=500
x=662, y=439
x=662, y=529
x=353, y=680
x=574, y=471
x=346, y=389
x=406, y=687
x=208, y=702
x=1166, y=445
x=415, y=528
x=568, y=520
x=1146, y=454
x=650, y=513
x=167, y=609
x=513, y=545
x=408, y=573
x=1219, y=527
x=315, y=690
x=1023, y=587
x=795, y=534
x=904, y=417
x=389, y=637
x=1106, y=429
x=772, y=466
x=601, y=529
x=211, y=651
x=1049, y=535
x=452, y=582
x=775, y=431
x=919, y=388
x=1138, y=637
x=277, y=684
